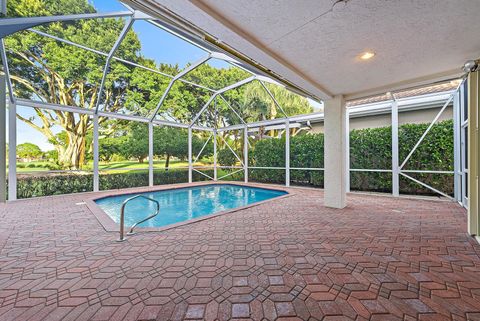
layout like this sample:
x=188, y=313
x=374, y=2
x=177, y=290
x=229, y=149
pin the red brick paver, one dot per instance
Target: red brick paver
x=380, y=258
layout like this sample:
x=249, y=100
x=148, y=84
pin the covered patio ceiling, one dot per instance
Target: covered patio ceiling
x=316, y=44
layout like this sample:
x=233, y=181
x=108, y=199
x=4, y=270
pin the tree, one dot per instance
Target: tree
x=253, y=103
x=28, y=151
x=53, y=72
x=215, y=77
x=173, y=142
x=136, y=143
x=51, y=155
x=262, y=107
x=132, y=142
x=170, y=142
x=109, y=146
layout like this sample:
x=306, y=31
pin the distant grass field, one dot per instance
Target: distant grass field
x=111, y=167
x=32, y=166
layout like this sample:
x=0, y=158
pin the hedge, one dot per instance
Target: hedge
x=369, y=149
x=57, y=184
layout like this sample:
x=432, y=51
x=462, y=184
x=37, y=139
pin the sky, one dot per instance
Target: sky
x=156, y=44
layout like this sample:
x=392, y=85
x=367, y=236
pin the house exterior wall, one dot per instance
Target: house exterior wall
x=472, y=154
x=384, y=120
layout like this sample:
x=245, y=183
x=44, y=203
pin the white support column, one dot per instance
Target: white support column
x=190, y=164
x=457, y=178
x=347, y=149
x=245, y=154
x=3, y=139
x=395, y=161
x=96, y=177
x=150, y=154
x=335, y=152
x=287, y=153
x=12, y=151
x=215, y=155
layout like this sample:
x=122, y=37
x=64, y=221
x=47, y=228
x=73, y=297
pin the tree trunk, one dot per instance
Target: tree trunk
x=73, y=156
x=71, y=153
x=261, y=129
x=167, y=162
x=273, y=115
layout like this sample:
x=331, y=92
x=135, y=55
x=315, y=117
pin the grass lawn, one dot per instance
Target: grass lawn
x=115, y=167
x=137, y=165
x=36, y=166
x=111, y=167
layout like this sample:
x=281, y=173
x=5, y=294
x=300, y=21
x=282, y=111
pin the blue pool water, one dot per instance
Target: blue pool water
x=178, y=205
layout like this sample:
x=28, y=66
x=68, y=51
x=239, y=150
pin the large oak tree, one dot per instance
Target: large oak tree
x=50, y=71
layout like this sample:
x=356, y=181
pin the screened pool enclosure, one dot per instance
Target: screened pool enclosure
x=208, y=102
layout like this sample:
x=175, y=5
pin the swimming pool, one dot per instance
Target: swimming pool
x=184, y=204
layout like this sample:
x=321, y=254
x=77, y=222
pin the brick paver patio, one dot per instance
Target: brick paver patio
x=380, y=258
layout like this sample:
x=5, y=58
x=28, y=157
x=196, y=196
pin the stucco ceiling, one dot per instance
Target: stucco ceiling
x=315, y=44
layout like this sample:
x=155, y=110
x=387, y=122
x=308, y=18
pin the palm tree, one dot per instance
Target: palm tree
x=263, y=107
x=253, y=103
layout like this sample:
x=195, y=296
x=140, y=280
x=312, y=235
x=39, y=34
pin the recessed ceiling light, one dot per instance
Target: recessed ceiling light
x=367, y=55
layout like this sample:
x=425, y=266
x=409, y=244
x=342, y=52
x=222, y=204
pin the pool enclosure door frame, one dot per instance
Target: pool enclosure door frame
x=461, y=138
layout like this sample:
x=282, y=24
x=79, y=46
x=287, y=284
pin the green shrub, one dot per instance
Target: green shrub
x=236, y=175
x=436, y=150
x=273, y=176
x=226, y=157
x=370, y=148
x=117, y=158
x=123, y=180
x=53, y=167
x=306, y=151
x=269, y=152
x=371, y=181
x=45, y=185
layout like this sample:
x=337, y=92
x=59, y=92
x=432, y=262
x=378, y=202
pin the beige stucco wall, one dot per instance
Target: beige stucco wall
x=473, y=151
x=406, y=117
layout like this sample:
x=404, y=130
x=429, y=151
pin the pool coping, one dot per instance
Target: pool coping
x=110, y=225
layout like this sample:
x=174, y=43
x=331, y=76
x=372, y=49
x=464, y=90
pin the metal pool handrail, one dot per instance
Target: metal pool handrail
x=122, y=215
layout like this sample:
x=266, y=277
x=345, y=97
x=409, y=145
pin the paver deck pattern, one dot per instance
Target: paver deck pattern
x=381, y=258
